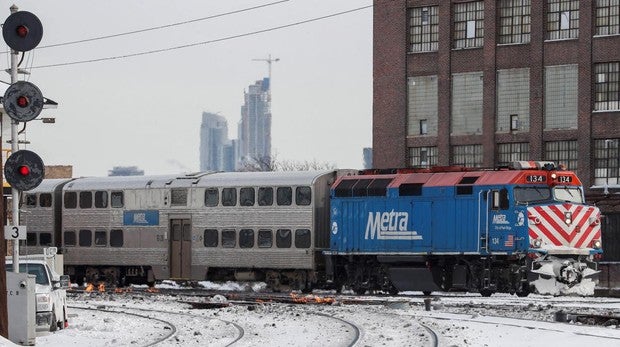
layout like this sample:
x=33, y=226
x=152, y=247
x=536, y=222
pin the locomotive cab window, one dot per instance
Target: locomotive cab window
x=211, y=237
x=265, y=238
x=212, y=197
x=86, y=199
x=246, y=196
x=116, y=238
x=284, y=196
x=246, y=238
x=101, y=199
x=525, y=195
x=500, y=199
x=302, y=238
x=31, y=200
x=283, y=238
x=265, y=196
x=70, y=238
x=229, y=197
x=117, y=199
x=568, y=194
x=45, y=200
x=303, y=196
x=70, y=199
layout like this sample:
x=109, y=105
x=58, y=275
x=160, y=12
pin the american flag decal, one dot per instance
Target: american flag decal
x=510, y=241
x=549, y=223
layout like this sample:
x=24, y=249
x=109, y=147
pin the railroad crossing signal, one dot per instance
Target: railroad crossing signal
x=24, y=170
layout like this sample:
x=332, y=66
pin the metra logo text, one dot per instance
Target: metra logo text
x=389, y=226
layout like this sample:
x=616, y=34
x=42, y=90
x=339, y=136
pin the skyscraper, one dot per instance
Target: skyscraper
x=255, y=125
x=214, y=144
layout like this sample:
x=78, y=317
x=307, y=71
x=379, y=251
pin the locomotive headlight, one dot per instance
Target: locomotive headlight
x=554, y=176
x=568, y=218
x=596, y=244
x=537, y=243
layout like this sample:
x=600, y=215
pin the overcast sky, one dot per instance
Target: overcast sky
x=146, y=110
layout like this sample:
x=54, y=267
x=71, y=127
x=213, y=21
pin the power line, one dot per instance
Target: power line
x=203, y=42
x=161, y=26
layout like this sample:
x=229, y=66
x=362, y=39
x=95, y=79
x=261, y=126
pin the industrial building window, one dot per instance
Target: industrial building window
x=101, y=199
x=117, y=199
x=246, y=238
x=70, y=199
x=466, y=104
x=283, y=238
x=116, y=238
x=422, y=105
x=265, y=196
x=212, y=197
x=45, y=239
x=422, y=157
x=265, y=238
x=70, y=239
x=606, y=162
x=284, y=196
x=246, y=196
x=45, y=200
x=607, y=86
x=509, y=152
x=607, y=17
x=302, y=238
x=229, y=238
x=303, y=196
x=210, y=237
x=229, y=197
x=86, y=199
x=513, y=100
x=514, y=21
x=468, y=24
x=561, y=97
x=424, y=28
x=467, y=155
x=101, y=238
x=562, y=153
x=562, y=19
x=178, y=197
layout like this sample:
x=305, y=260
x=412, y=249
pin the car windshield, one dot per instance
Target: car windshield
x=34, y=269
x=568, y=194
x=526, y=195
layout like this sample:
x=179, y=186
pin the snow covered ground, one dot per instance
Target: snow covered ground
x=458, y=320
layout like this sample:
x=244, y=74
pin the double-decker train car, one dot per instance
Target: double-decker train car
x=512, y=230
x=245, y=226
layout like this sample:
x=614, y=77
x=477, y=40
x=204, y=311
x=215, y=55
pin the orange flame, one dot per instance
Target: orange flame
x=89, y=288
x=152, y=290
x=311, y=299
x=101, y=287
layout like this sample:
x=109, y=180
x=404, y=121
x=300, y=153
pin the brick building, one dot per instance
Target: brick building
x=483, y=83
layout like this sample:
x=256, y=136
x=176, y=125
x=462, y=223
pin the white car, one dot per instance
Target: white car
x=51, y=294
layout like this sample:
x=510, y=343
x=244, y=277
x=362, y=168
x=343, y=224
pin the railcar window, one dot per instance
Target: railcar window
x=303, y=196
x=246, y=238
x=101, y=238
x=31, y=200
x=45, y=200
x=410, y=189
x=360, y=188
x=86, y=199
x=265, y=196
x=101, y=199
x=531, y=194
x=70, y=199
x=568, y=194
x=229, y=238
x=210, y=238
x=283, y=238
x=212, y=197
x=344, y=188
x=117, y=199
x=86, y=238
x=284, y=196
x=302, y=238
x=31, y=239
x=265, y=238
x=229, y=197
x=378, y=187
x=45, y=239
x=246, y=196
x=116, y=238
x=69, y=238
x=178, y=197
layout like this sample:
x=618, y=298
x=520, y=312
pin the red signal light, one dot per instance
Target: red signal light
x=22, y=101
x=24, y=170
x=21, y=30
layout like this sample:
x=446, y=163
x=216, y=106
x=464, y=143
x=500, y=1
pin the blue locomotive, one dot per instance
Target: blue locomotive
x=519, y=229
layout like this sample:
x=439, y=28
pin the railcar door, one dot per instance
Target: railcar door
x=180, y=248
